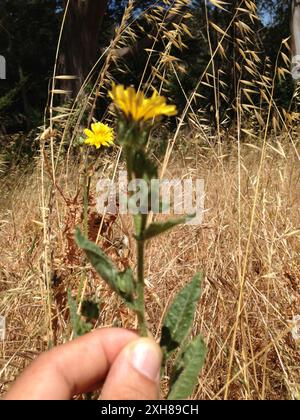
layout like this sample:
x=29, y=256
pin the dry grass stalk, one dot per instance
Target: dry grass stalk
x=248, y=246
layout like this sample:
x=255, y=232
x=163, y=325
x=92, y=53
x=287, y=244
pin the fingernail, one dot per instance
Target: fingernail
x=146, y=358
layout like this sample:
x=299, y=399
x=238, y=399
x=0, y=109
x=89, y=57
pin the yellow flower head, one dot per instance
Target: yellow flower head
x=136, y=106
x=99, y=135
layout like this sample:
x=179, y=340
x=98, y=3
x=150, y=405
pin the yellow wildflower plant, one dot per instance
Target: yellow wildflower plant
x=139, y=108
x=135, y=119
x=99, y=135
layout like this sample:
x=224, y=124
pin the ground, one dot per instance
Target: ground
x=247, y=249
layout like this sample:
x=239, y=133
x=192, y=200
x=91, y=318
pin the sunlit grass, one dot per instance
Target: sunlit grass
x=248, y=245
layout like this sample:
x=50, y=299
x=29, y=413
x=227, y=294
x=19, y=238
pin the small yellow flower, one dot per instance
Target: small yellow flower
x=99, y=135
x=136, y=106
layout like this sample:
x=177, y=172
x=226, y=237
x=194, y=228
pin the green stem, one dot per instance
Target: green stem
x=140, y=227
x=141, y=289
x=128, y=152
x=86, y=193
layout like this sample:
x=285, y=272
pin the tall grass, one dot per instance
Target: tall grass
x=248, y=246
x=2, y=164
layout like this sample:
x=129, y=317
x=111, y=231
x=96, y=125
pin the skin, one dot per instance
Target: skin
x=101, y=358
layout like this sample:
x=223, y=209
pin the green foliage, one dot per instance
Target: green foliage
x=121, y=282
x=175, y=332
x=144, y=168
x=79, y=326
x=156, y=229
x=179, y=319
x=28, y=39
x=186, y=370
x=90, y=310
x=7, y=100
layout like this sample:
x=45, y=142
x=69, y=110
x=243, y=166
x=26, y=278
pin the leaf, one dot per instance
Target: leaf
x=79, y=326
x=180, y=316
x=90, y=310
x=121, y=282
x=156, y=229
x=125, y=283
x=143, y=167
x=98, y=259
x=187, y=369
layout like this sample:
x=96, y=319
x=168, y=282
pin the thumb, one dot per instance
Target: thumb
x=135, y=373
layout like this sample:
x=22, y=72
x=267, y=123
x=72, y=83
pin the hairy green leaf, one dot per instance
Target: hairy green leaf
x=121, y=282
x=158, y=228
x=180, y=316
x=79, y=326
x=143, y=167
x=187, y=369
x=90, y=309
x=125, y=284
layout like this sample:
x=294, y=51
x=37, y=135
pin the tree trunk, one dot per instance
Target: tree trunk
x=79, y=49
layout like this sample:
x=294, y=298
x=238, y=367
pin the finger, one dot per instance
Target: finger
x=135, y=373
x=76, y=367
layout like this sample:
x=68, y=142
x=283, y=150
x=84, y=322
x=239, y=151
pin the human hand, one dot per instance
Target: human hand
x=127, y=367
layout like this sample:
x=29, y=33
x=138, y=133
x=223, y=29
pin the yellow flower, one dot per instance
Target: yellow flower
x=136, y=106
x=99, y=135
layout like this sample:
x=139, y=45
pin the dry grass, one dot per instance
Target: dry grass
x=248, y=246
x=265, y=357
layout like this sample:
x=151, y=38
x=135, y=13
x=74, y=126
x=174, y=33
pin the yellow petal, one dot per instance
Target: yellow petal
x=88, y=132
x=135, y=105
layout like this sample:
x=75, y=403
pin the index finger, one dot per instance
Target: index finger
x=73, y=368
